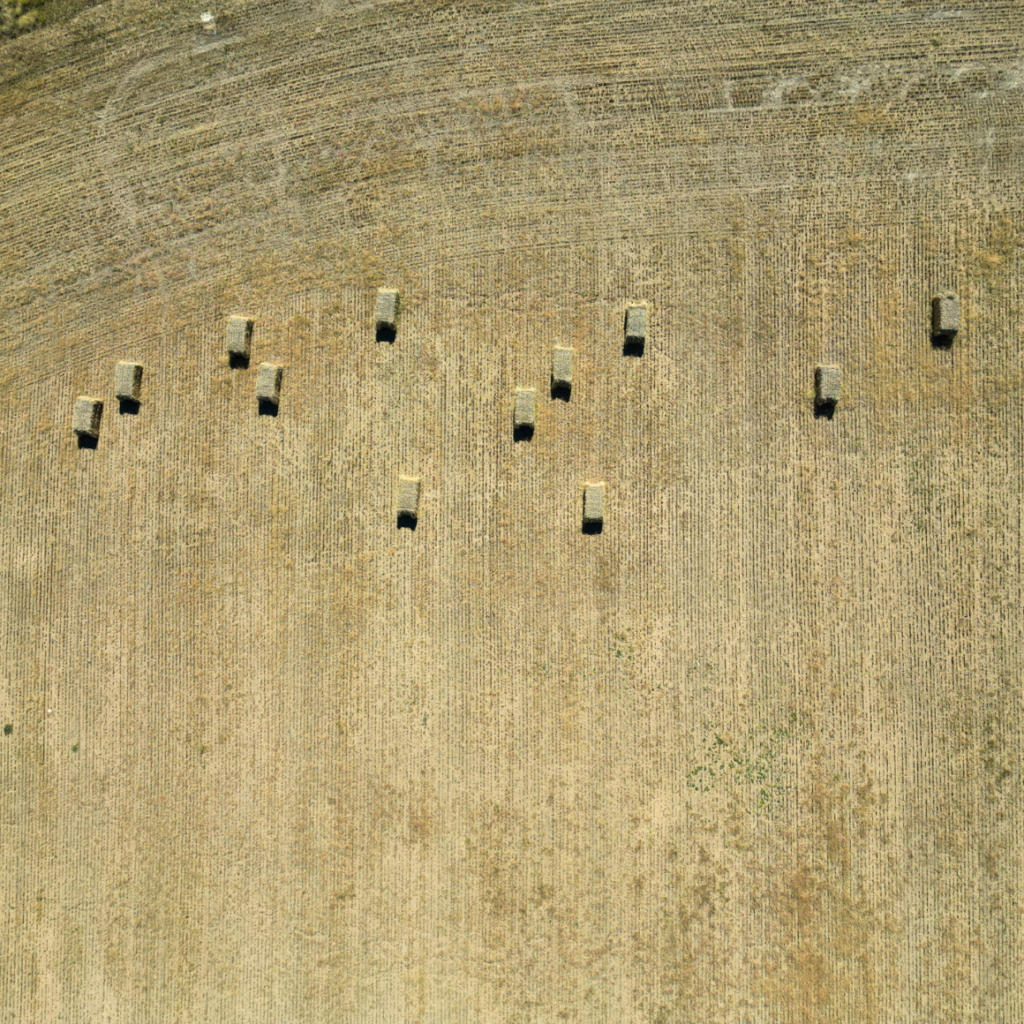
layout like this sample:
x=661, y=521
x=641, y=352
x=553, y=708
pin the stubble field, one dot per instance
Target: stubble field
x=749, y=755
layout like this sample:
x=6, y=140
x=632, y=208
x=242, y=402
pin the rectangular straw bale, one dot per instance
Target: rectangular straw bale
x=827, y=380
x=945, y=315
x=409, y=496
x=86, y=419
x=387, y=308
x=128, y=381
x=268, y=382
x=636, y=324
x=525, y=408
x=239, y=336
x=593, y=503
x=561, y=367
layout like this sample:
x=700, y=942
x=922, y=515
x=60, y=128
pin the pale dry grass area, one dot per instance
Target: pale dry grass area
x=750, y=755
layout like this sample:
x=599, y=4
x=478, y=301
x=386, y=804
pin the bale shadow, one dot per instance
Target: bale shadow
x=522, y=432
x=824, y=410
x=592, y=526
x=386, y=332
x=128, y=406
x=266, y=407
x=86, y=441
x=944, y=341
x=633, y=347
x=561, y=392
x=406, y=521
x=237, y=361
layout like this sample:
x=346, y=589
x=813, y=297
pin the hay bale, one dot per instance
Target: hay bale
x=827, y=380
x=561, y=368
x=525, y=412
x=408, y=497
x=593, y=504
x=945, y=315
x=387, y=308
x=268, y=383
x=128, y=381
x=86, y=419
x=636, y=325
x=239, y=338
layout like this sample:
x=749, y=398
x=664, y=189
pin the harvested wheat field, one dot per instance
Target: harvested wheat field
x=339, y=690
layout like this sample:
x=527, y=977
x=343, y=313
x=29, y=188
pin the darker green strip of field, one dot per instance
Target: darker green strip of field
x=20, y=16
